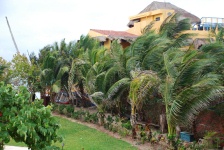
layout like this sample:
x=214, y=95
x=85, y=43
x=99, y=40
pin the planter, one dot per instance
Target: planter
x=185, y=136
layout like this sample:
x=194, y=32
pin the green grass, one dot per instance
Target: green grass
x=78, y=137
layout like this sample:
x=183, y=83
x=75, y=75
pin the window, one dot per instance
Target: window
x=157, y=18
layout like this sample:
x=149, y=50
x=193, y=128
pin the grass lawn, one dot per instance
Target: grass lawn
x=78, y=137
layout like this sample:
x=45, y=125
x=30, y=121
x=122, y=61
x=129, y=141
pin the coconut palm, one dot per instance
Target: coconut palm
x=54, y=61
x=189, y=87
x=143, y=84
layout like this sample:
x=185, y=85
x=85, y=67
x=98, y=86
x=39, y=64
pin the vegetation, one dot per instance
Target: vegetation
x=159, y=69
x=26, y=122
x=81, y=137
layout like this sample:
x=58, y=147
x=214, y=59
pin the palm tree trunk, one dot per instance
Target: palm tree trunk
x=168, y=98
x=171, y=129
x=133, y=121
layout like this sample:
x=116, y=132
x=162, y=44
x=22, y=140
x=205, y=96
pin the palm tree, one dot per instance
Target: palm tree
x=188, y=87
x=54, y=61
x=143, y=84
x=83, y=67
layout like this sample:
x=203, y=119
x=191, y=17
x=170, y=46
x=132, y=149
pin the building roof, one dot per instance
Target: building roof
x=166, y=5
x=112, y=33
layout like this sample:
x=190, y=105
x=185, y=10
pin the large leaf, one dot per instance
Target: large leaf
x=117, y=87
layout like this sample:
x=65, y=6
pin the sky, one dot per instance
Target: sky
x=37, y=23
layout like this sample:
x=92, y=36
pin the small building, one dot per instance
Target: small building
x=107, y=36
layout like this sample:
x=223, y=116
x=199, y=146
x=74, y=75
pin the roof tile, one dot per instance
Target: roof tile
x=114, y=33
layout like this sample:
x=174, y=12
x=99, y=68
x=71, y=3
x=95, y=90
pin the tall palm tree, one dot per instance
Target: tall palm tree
x=54, y=61
x=188, y=87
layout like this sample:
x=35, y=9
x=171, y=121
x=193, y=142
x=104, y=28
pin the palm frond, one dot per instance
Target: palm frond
x=118, y=86
x=97, y=97
x=110, y=77
x=62, y=71
x=56, y=86
x=99, y=81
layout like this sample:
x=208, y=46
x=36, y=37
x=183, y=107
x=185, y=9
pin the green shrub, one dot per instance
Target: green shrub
x=110, y=119
x=76, y=115
x=61, y=108
x=87, y=116
x=123, y=132
x=55, y=107
x=127, y=125
x=94, y=118
x=114, y=129
x=70, y=110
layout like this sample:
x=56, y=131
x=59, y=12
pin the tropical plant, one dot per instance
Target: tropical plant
x=143, y=84
x=188, y=87
x=26, y=122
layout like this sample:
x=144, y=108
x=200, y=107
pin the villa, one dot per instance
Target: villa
x=157, y=12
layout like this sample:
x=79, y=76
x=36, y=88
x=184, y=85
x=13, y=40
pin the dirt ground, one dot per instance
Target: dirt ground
x=146, y=146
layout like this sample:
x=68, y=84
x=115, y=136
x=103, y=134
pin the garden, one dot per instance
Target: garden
x=158, y=91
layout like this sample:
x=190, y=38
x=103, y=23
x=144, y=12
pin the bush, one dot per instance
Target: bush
x=123, y=132
x=87, y=116
x=30, y=123
x=55, y=108
x=127, y=125
x=70, y=110
x=94, y=118
x=78, y=114
x=61, y=108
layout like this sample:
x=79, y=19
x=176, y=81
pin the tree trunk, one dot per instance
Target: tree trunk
x=1, y=145
x=162, y=119
x=171, y=129
x=194, y=130
x=133, y=121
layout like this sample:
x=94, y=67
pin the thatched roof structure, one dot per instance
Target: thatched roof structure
x=166, y=5
x=198, y=42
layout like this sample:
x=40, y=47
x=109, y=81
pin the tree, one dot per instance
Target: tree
x=31, y=123
x=188, y=87
x=55, y=62
x=21, y=67
x=143, y=84
x=5, y=71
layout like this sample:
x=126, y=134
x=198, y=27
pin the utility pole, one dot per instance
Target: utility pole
x=12, y=36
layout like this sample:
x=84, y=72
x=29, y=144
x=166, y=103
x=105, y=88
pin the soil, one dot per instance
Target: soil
x=135, y=143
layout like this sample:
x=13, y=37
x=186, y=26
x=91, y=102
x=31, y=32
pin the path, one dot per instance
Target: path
x=15, y=148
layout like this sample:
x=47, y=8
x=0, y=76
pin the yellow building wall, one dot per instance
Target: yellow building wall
x=107, y=44
x=146, y=18
x=199, y=33
x=94, y=34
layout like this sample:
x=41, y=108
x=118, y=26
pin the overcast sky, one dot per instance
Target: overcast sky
x=37, y=23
